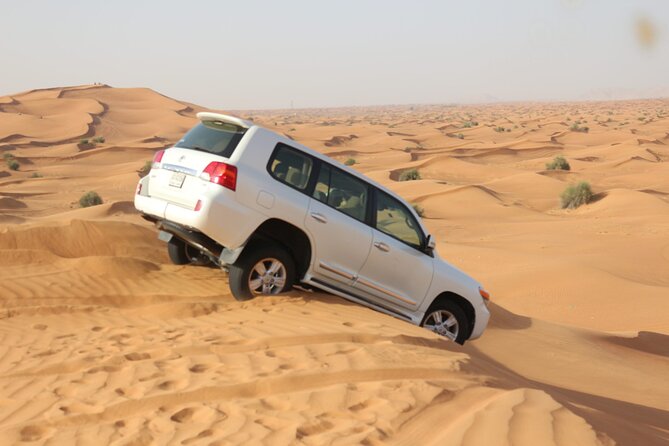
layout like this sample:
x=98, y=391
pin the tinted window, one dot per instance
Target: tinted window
x=215, y=137
x=291, y=167
x=393, y=218
x=342, y=191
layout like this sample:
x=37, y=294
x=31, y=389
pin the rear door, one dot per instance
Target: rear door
x=336, y=219
x=397, y=272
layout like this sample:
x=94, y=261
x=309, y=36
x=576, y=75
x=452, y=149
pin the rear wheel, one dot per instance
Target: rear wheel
x=261, y=270
x=181, y=253
x=447, y=319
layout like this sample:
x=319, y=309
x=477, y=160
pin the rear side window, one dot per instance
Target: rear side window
x=342, y=191
x=217, y=137
x=291, y=166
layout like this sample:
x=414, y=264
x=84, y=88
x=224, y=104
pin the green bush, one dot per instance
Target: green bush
x=469, y=124
x=576, y=195
x=146, y=168
x=90, y=199
x=461, y=136
x=99, y=139
x=576, y=128
x=84, y=142
x=36, y=175
x=558, y=163
x=410, y=175
x=349, y=162
x=13, y=164
x=419, y=209
x=500, y=129
x=7, y=156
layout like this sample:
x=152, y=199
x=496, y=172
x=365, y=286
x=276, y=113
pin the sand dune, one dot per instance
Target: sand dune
x=104, y=341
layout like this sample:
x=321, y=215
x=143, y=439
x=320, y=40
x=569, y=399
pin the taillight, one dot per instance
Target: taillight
x=157, y=158
x=198, y=205
x=139, y=189
x=221, y=173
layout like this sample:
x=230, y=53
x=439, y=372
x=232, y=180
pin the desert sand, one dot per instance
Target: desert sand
x=103, y=341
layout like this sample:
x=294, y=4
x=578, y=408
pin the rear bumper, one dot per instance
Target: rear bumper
x=221, y=218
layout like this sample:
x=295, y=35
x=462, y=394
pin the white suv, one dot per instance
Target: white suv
x=277, y=214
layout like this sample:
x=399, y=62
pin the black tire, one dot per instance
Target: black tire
x=176, y=249
x=447, y=308
x=183, y=254
x=244, y=271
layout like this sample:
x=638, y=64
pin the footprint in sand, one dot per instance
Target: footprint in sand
x=137, y=356
x=183, y=416
x=199, y=368
x=176, y=384
x=40, y=326
x=104, y=368
x=204, y=434
x=313, y=429
x=33, y=433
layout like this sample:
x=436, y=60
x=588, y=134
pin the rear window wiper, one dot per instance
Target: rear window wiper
x=198, y=148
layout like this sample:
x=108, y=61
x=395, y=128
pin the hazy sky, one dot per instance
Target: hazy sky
x=265, y=54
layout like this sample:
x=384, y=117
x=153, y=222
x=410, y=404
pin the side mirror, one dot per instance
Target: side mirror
x=430, y=244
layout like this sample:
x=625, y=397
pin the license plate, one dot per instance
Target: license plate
x=177, y=179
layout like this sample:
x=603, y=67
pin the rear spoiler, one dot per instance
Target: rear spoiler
x=209, y=116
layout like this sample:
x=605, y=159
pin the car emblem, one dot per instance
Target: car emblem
x=183, y=157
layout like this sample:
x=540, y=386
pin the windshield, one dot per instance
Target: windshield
x=215, y=137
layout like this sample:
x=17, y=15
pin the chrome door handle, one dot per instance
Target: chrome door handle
x=319, y=217
x=382, y=246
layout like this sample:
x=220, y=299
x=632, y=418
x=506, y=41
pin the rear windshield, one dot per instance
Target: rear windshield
x=219, y=138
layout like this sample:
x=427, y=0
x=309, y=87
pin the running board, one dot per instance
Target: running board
x=350, y=296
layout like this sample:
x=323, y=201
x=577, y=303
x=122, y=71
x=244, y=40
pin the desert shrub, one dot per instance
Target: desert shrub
x=558, y=163
x=641, y=118
x=461, y=136
x=99, y=139
x=350, y=162
x=13, y=164
x=410, y=175
x=469, y=124
x=90, y=199
x=145, y=169
x=419, y=209
x=36, y=175
x=577, y=128
x=500, y=129
x=84, y=141
x=576, y=195
x=7, y=156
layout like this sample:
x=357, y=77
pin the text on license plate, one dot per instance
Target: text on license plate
x=177, y=179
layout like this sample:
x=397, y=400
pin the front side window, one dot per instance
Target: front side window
x=395, y=219
x=290, y=166
x=217, y=137
x=342, y=191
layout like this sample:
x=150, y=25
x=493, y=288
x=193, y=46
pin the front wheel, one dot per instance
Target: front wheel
x=447, y=319
x=262, y=269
